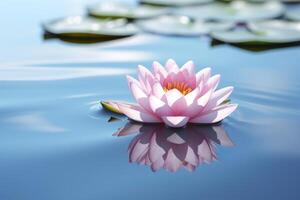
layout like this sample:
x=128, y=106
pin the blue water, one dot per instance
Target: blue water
x=56, y=143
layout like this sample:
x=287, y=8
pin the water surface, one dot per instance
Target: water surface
x=55, y=142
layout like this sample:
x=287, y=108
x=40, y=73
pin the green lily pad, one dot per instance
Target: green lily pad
x=78, y=26
x=262, y=33
x=293, y=14
x=174, y=3
x=284, y=1
x=181, y=26
x=236, y=11
x=114, y=9
x=110, y=106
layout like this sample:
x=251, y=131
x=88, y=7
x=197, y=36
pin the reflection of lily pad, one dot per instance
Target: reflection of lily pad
x=82, y=27
x=237, y=11
x=181, y=25
x=174, y=2
x=262, y=33
x=122, y=10
x=293, y=13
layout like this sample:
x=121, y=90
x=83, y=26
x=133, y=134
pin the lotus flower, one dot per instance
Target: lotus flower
x=177, y=96
x=161, y=147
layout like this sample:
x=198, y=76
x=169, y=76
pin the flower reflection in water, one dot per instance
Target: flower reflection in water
x=160, y=147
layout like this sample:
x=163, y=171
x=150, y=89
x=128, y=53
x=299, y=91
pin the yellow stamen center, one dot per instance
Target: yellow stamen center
x=180, y=86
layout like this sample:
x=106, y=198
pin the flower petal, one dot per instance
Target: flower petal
x=158, y=90
x=159, y=71
x=146, y=78
x=197, y=106
x=218, y=97
x=175, y=121
x=188, y=67
x=179, y=106
x=159, y=107
x=140, y=96
x=191, y=97
x=204, y=99
x=172, y=96
x=215, y=115
x=203, y=75
x=213, y=82
x=172, y=66
x=130, y=80
x=137, y=113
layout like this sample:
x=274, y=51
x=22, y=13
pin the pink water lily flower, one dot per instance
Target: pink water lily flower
x=177, y=96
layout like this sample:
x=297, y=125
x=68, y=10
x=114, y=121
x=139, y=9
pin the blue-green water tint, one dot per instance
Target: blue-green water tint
x=55, y=144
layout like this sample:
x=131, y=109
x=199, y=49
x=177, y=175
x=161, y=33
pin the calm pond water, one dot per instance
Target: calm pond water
x=55, y=142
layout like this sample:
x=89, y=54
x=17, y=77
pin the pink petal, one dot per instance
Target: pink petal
x=159, y=71
x=203, y=75
x=213, y=82
x=191, y=97
x=137, y=113
x=172, y=96
x=146, y=78
x=215, y=115
x=143, y=72
x=140, y=96
x=130, y=80
x=157, y=90
x=203, y=100
x=175, y=121
x=197, y=106
x=188, y=67
x=159, y=107
x=218, y=97
x=179, y=106
x=172, y=66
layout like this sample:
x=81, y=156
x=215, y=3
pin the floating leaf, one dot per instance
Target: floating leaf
x=236, y=11
x=262, y=33
x=293, y=13
x=181, y=26
x=111, y=106
x=78, y=26
x=175, y=3
x=114, y=9
x=284, y=1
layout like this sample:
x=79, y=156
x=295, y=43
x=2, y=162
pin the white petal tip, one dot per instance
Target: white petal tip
x=175, y=121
